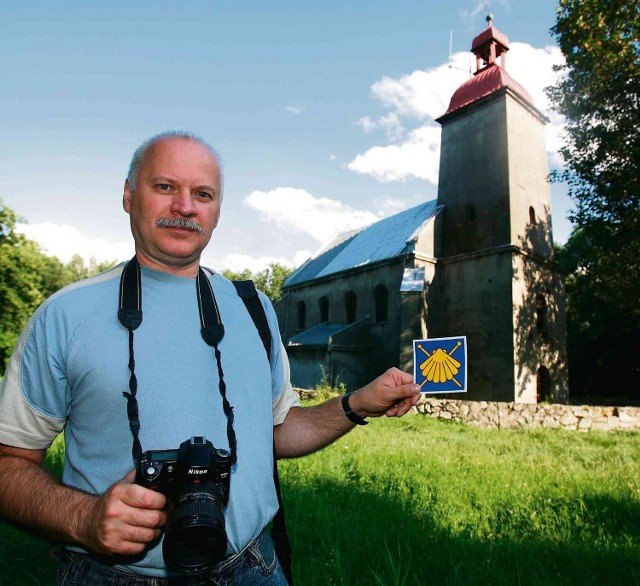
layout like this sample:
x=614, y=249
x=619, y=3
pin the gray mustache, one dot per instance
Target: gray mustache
x=185, y=223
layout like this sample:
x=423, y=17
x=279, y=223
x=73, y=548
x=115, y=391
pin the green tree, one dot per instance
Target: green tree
x=600, y=97
x=269, y=280
x=602, y=340
x=599, y=94
x=77, y=270
x=27, y=278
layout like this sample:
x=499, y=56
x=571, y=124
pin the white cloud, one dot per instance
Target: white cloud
x=423, y=96
x=296, y=209
x=389, y=206
x=300, y=257
x=64, y=241
x=478, y=6
x=390, y=124
x=367, y=124
x=533, y=69
x=418, y=156
x=294, y=109
x=237, y=262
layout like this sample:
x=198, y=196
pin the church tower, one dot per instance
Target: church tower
x=495, y=279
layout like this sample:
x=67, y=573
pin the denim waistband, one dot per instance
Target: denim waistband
x=126, y=577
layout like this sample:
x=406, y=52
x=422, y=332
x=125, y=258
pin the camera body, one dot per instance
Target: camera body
x=195, y=461
x=195, y=478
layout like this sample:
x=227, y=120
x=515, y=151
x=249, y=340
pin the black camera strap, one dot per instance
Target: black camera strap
x=212, y=331
x=130, y=316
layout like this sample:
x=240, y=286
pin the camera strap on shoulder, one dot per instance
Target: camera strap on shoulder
x=247, y=292
x=130, y=316
x=212, y=331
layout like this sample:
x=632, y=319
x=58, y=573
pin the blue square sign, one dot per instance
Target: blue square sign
x=440, y=364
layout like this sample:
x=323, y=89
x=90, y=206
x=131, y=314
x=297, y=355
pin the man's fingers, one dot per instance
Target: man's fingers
x=130, y=477
x=402, y=393
x=409, y=390
x=142, y=535
x=136, y=505
x=138, y=496
x=399, y=377
x=403, y=406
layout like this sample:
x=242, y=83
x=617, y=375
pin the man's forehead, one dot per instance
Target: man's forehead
x=178, y=151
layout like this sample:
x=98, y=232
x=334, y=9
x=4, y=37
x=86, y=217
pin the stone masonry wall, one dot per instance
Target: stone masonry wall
x=490, y=414
x=523, y=415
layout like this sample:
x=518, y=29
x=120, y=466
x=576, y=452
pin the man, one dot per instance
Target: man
x=71, y=366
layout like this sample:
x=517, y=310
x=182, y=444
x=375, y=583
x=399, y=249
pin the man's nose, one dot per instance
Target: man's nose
x=183, y=204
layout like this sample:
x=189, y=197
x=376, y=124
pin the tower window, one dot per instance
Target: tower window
x=470, y=213
x=542, y=326
x=302, y=315
x=350, y=303
x=381, y=303
x=532, y=216
x=323, y=304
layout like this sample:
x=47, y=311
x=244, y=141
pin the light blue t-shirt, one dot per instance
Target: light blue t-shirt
x=71, y=365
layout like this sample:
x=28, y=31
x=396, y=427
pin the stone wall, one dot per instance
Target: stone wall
x=524, y=415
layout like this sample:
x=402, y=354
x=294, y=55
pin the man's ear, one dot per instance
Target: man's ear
x=126, y=197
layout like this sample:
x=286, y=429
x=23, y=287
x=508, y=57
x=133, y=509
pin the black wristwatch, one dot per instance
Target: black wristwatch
x=349, y=413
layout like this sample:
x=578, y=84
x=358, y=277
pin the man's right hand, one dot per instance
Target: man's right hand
x=125, y=519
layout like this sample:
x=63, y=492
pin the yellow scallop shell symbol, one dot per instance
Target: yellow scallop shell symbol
x=440, y=366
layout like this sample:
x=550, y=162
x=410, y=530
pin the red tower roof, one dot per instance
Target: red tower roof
x=489, y=47
x=488, y=35
x=486, y=82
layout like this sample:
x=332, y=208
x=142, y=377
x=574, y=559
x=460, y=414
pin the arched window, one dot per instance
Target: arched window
x=350, y=303
x=543, y=384
x=470, y=213
x=542, y=327
x=381, y=303
x=323, y=304
x=532, y=216
x=302, y=315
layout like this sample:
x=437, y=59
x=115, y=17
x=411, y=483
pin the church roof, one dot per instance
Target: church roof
x=488, y=35
x=319, y=335
x=383, y=240
x=484, y=83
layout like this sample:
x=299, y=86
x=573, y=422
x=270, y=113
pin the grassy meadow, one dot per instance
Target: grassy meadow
x=420, y=501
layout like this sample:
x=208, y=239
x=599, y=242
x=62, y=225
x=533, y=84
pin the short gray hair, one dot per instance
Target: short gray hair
x=141, y=152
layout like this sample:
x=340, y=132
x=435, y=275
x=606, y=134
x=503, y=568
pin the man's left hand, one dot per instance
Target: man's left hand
x=392, y=394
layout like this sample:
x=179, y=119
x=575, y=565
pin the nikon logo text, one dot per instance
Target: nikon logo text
x=192, y=471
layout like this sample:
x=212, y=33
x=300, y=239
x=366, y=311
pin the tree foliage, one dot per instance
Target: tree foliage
x=269, y=280
x=600, y=97
x=27, y=278
x=602, y=340
x=599, y=94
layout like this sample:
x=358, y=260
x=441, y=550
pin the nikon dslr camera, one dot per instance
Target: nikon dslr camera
x=195, y=479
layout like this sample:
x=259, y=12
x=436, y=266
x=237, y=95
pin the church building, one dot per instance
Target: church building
x=476, y=262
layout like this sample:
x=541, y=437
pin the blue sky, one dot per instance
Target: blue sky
x=323, y=112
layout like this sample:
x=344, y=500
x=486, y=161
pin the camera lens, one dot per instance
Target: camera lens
x=195, y=539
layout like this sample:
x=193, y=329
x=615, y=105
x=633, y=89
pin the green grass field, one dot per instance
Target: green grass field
x=419, y=501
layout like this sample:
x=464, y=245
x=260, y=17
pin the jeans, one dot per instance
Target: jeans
x=255, y=565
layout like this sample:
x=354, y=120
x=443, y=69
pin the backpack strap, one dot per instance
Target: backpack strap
x=249, y=295
x=247, y=292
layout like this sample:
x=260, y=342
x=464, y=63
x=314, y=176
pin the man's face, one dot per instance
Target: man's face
x=178, y=183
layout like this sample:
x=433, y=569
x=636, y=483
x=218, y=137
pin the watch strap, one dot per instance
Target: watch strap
x=351, y=415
